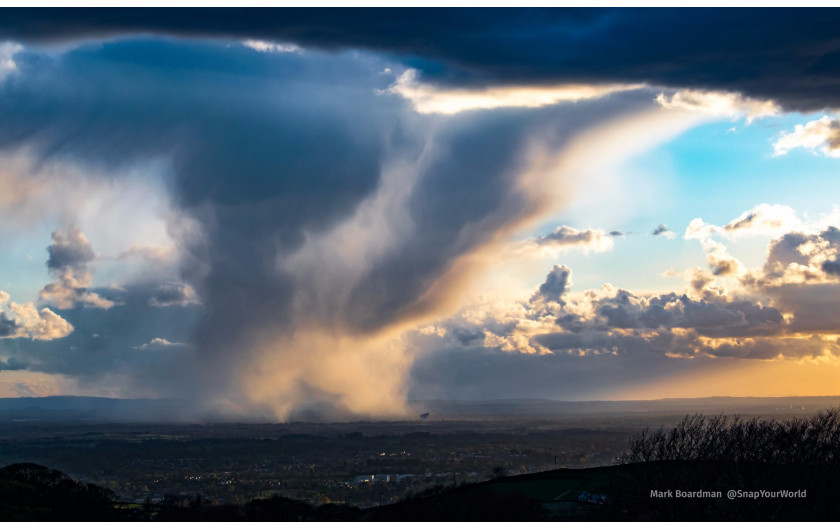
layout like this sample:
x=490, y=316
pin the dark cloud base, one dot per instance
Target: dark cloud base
x=789, y=55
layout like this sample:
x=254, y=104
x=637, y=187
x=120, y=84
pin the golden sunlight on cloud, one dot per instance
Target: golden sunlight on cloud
x=584, y=171
x=367, y=374
x=326, y=360
x=565, y=238
x=26, y=320
x=822, y=134
x=725, y=104
x=430, y=99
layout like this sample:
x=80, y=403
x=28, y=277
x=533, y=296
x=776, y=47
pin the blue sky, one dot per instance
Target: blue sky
x=265, y=218
x=715, y=171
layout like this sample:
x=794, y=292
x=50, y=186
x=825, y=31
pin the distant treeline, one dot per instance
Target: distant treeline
x=803, y=441
x=788, y=469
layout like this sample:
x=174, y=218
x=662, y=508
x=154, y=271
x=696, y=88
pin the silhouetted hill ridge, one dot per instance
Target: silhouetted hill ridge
x=76, y=407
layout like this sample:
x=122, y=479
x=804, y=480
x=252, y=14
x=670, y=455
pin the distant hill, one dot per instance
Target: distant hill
x=29, y=492
x=86, y=408
x=69, y=403
x=93, y=409
x=541, y=408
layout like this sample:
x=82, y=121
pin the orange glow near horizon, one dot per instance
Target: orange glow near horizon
x=746, y=378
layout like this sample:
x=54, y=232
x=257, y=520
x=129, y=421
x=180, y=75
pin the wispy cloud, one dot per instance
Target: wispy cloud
x=565, y=238
x=7, y=58
x=271, y=47
x=161, y=344
x=431, y=99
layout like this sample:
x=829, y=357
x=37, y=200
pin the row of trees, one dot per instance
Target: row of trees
x=721, y=454
x=809, y=441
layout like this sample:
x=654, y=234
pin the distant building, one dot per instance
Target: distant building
x=382, y=477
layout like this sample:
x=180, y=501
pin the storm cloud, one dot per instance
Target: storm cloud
x=787, y=55
x=332, y=192
x=326, y=215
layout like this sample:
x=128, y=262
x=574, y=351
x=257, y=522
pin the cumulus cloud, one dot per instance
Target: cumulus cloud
x=600, y=339
x=786, y=310
x=72, y=251
x=556, y=285
x=27, y=321
x=173, y=293
x=799, y=257
x=69, y=256
x=822, y=134
x=718, y=258
x=763, y=219
x=806, y=346
x=40, y=324
x=161, y=344
x=831, y=267
x=711, y=316
x=799, y=273
x=100, y=354
x=568, y=237
x=798, y=277
x=71, y=290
